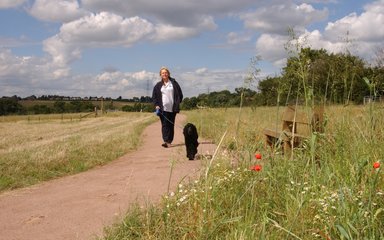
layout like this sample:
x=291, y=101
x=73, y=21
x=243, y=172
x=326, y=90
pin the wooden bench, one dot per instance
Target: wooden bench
x=297, y=124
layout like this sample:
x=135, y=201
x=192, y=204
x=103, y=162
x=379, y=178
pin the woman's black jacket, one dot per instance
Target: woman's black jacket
x=177, y=95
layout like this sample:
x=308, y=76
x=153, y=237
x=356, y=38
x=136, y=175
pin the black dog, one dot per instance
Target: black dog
x=190, y=137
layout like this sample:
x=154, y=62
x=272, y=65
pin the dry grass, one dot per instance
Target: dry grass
x=35, y=150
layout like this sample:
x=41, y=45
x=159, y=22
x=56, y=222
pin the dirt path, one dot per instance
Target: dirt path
x=79, y=206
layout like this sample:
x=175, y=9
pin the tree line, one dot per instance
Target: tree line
x=311, y=75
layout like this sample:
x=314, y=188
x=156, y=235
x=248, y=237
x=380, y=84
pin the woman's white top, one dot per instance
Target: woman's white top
x=167, y=96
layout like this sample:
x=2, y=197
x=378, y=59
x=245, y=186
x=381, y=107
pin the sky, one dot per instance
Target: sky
x=116, y=48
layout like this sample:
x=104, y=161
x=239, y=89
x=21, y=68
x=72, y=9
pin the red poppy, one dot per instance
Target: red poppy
x=256, y=168
x=258, y=156
x=376, y=165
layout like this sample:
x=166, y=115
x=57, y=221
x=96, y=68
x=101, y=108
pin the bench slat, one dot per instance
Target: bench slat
x=297, y=121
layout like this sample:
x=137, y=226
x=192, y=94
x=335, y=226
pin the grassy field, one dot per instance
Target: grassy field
x=36, y=148
x=117, y=104
x=330, y=188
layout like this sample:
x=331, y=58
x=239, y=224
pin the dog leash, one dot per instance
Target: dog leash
x=158, y=113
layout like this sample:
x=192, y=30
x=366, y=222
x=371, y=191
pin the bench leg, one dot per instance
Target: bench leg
x=287, y=148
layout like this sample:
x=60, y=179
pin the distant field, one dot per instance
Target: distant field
x=49, y=117
x=49, y=103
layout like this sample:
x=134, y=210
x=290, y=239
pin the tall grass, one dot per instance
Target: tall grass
x=328, y=189
x=39, y=148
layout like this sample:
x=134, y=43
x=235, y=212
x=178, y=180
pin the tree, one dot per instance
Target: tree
x=59, y=107
x=270, y=89
x=10, y=106
x=189, y=103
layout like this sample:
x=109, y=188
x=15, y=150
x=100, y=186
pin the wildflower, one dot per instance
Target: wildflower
x=256, y=168
x=376, y=165
x=258, y=156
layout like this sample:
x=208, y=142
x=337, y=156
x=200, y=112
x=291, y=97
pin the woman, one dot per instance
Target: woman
x=166, y=97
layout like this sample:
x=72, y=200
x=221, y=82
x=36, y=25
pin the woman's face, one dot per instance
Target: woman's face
x=164, y=75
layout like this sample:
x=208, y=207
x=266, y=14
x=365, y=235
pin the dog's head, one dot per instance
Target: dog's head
x=190, y=130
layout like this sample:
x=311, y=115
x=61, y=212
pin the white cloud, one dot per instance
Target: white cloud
x=96, y=30
x=128, y=84
x=178, y=13
x=278, y=18
x=271, y=47
x=166, y=32
x=61, y=52
x=26, y=74
x=11, y=3
x=105, y=29
x=203, y=80
x=234, y=38
x=57, y=10
x=358, y=34
x=25, y=67
x=366, y=27
x=201, y=71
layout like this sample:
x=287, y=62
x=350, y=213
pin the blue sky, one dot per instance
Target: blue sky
x=116, y=47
